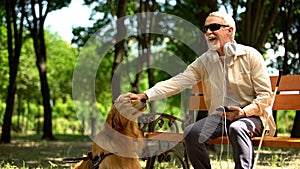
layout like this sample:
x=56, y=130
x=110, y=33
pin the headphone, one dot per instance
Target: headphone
x=229, y=49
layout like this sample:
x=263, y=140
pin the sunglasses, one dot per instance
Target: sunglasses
x=213, y=27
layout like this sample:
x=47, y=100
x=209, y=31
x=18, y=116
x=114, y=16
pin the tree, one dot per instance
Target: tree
x=14, y=23
x=119, y=47
x=253, y=24
x=60, y=64
x=285, y=33
x=35, y=20
x=296, y=38
x=290, y=30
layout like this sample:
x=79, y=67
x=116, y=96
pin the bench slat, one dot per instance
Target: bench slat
x=197, y=88
x=197, y=103
x=268, y=141
x=165, y=136
x=282, y=102
x=287, y=83
x=287, y=102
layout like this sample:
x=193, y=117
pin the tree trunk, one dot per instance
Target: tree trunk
x=36, y=27
x=46, y=101
x=145, y=44
x=287, y=14
x=275, y=119
x=296, y=127
x=7, y=121
x=119, y=49
x=40, y=51
x=15, y=37
x=252, y=33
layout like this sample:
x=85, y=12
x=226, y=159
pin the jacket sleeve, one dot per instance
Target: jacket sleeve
x=190, y=76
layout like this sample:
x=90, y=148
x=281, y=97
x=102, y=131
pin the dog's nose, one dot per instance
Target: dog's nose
x=143, y=100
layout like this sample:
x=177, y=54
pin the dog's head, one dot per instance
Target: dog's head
x=125, y=111
x=130, y=108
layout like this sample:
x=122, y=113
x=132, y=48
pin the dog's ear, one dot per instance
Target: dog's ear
x=114, y=119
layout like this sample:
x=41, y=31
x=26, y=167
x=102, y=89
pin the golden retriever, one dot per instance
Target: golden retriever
x=118, y=144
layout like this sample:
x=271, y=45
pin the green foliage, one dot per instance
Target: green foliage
x=285, y=121
x=65, y=119
x=4, y=69
x=285, y=34
x=2, y=110
x=57, y=4
x=21, y=123
x=91, y=117
x=28, y=85
x=61, y=63
x=66, y=126
x=7, y=165
x=27, y=119
x=64, y=108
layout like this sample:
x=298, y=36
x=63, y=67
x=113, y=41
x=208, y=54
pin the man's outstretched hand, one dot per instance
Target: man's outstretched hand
x=139, y=96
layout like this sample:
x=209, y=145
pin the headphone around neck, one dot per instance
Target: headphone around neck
x=229, y=49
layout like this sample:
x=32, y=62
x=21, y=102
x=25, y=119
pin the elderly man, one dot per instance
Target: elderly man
x=233, y=75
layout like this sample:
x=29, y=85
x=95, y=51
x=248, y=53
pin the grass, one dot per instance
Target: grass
x=28, y=151
x=275, y=158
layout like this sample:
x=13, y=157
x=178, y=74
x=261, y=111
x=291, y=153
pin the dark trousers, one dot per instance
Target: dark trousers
x=239, y=133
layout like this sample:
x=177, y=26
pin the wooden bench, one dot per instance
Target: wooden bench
x=287, y=98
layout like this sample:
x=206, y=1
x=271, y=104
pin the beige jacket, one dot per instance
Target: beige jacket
x=248, y=78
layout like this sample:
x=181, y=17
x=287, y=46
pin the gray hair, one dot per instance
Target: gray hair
x=228, y=20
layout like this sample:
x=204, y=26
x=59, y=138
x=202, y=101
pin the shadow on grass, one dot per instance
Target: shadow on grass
x=29, y=151
x=269, y=157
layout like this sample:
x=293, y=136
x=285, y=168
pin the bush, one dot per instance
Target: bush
x=285, y=121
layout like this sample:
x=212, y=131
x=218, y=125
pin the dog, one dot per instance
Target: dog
x=118, y=144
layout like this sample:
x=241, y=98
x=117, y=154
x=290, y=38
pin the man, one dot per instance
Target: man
x=232, y=75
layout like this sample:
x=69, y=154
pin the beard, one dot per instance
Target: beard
x=212, y=46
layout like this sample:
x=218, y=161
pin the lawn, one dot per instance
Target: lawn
x=30, y=152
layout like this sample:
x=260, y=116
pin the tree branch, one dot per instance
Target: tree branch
x=269, y=22
x=247, y=23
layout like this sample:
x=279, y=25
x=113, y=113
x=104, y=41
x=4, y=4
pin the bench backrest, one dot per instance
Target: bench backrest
x=287, y=98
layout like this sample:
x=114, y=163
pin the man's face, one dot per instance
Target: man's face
x=217, y=38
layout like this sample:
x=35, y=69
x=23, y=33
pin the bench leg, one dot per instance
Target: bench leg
x=186, y=160
x=150, y=162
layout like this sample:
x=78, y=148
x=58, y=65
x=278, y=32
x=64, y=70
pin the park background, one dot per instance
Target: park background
x=37, y=62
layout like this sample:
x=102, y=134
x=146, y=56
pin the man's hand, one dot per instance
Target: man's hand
x=236, y=113
x=139, y=96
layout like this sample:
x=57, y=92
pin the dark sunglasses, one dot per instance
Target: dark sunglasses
x=213, y=27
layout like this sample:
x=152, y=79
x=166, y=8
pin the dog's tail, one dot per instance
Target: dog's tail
x=84, y=164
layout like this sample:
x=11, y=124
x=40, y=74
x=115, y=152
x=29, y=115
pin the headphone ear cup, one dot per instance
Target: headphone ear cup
x=229, y=49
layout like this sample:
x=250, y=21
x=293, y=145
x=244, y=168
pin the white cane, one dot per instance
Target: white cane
x=266, y=121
